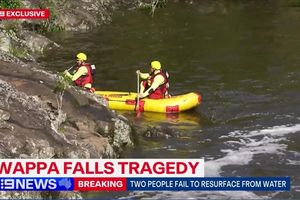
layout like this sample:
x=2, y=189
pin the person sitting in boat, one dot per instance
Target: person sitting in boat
x=156, y=83
x=82, y=75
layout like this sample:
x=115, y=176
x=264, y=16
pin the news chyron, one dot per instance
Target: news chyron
x=124, y=175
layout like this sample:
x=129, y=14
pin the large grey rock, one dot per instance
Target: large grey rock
x=38, y=115
x=30, y=124
x=37, y=148
x=4, y=115
x=32, y=132
x=122, y=133
x=6, y=125
x=8, y=57
x=35, y=42
x=5, y=42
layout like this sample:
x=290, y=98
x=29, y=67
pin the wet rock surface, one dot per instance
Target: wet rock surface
x=21, y=43
x=28, y=114
x=24, y=39
x=31, y=123
x=31, y=126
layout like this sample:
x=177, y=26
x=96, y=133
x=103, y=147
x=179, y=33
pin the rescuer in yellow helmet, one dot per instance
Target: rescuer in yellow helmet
x=156, y=83
x=82, y=75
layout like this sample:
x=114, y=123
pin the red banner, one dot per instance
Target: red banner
x=100, y=184
x=24, y=13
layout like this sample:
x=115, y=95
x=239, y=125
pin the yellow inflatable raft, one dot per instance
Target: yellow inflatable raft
x=127, y=101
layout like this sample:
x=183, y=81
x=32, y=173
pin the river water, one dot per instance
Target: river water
x=242, y=56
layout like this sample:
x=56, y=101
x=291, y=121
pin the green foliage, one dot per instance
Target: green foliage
x=11, y=25
x=10, y=4
x=53, y=24
x=151, y=7
x=295, y=3
x=61, y=85
x=61, y=129
x=18, y=52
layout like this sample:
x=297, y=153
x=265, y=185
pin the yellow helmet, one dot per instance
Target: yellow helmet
x=81, y=57
x=155, y=65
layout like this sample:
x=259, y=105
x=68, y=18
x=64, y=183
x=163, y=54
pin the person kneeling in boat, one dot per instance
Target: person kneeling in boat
x=82, y=75
x=156, y=83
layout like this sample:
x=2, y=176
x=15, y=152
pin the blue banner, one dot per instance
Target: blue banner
x=209, y=184
x=152, y=184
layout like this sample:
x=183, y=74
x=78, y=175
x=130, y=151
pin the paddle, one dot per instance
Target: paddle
x=72, y=67
x=138, y=113
x=138, y=92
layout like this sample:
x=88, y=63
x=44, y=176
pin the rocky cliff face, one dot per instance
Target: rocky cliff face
x=73, y=15
x=31, y=126
x=31, y=123
x=24, y=38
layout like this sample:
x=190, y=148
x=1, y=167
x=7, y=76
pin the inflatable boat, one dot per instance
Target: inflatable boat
x=127, y=101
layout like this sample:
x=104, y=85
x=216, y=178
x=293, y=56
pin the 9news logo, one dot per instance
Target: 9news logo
x=34, y=184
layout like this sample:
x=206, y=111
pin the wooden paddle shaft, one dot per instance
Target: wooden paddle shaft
x=138, y=91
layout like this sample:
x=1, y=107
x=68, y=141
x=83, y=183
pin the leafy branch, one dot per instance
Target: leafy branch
x=10, y=4
x=64, y=82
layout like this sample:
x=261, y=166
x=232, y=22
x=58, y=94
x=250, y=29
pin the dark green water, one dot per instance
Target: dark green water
x=244, y=58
